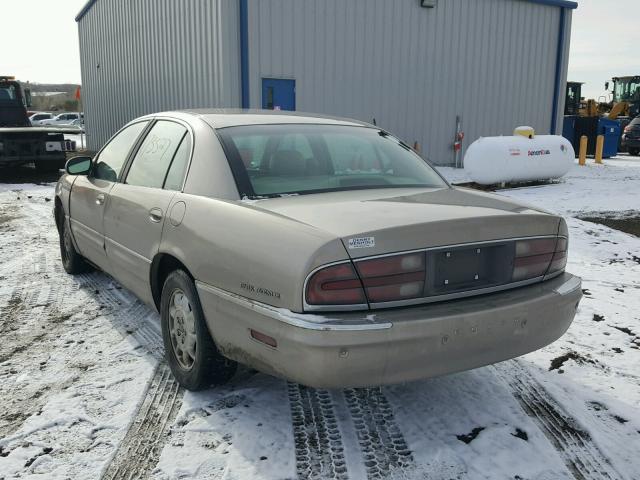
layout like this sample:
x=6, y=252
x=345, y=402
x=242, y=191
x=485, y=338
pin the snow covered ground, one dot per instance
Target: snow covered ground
x=84, y=393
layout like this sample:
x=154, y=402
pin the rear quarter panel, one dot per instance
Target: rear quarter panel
x=246, y=251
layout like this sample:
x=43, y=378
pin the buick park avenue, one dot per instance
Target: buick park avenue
x=321, y=250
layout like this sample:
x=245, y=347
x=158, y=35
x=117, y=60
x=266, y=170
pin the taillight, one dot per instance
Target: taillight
x=538, y=257
x=335, y=285
x=559, y=261
x=398, y=277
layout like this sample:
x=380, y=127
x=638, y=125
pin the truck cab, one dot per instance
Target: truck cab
x=627, y=89
x=13, y=103
x=22, y=143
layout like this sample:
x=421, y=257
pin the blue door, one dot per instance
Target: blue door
x=278, y=94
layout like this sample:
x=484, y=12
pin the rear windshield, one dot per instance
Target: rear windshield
x=273, y=160
x=635, y=121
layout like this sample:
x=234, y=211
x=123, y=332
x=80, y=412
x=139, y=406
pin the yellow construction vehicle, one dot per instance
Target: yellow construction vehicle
x=591, y=118
x=626, y=90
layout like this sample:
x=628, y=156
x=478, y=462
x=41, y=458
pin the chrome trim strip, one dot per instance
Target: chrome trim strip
x=569, y=286
x=454, y=296
x=78, y=223
x=128, y=250
x=431, y=299
x=291, y=318
x=549, y=276
x=487, y=243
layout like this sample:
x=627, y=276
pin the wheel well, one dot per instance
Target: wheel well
x=59, y=213
x=163, y=264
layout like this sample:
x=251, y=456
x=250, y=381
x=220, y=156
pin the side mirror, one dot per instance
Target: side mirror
x=606, y=86
x=78, y=166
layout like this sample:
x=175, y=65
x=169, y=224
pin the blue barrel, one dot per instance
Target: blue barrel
x=611, y=131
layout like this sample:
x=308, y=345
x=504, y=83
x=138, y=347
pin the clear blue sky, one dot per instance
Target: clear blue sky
x=605, y=41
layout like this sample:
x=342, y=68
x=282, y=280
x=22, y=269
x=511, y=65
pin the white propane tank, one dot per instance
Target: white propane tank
x=524, y=157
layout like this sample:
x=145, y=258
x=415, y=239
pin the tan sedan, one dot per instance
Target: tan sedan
x=321, y=250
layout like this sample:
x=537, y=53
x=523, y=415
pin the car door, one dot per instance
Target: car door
x=90, y=194
x=134, y=216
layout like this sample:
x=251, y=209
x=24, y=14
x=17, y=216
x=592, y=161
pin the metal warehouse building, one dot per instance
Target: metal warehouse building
x=415, y=66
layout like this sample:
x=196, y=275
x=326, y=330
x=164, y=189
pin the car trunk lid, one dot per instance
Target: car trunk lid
x=376, y=222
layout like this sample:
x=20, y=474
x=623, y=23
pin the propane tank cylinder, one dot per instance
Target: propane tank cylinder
x=523, y=157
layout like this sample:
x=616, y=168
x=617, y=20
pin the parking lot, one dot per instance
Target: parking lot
x=86, y=392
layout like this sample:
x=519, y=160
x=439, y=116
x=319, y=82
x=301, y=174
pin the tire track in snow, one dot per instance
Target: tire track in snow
x=318, y=442
x=142, y=445
x=34, y=314
x=140, y=449
x=582, y=457
x=128, y=314
x=384, y=448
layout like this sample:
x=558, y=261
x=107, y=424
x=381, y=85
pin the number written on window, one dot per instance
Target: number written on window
x=151, y=163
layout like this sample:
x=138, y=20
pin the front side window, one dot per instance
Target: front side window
x=273, y=160
x=151, y=163
x=112, y=157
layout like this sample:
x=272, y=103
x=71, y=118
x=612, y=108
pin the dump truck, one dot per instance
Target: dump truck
x=20, y=142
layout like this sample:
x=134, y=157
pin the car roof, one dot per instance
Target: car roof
x=222, y=118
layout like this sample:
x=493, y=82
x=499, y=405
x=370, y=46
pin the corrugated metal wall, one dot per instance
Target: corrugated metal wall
x=144, y=56
x=413, y=69
x=493, y=62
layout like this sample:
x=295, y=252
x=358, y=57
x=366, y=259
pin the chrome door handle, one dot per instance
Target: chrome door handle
x=100, y=199
x=155, y=215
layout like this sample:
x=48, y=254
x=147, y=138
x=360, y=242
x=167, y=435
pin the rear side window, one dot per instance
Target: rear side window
x=112, y=158
x=175, y=176
x=151, y=163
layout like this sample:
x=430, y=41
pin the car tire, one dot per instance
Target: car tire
x=189, y=349
x=72, y=261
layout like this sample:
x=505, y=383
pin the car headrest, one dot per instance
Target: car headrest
x=288, y=163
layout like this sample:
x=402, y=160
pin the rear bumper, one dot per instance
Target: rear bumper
x=392, y=346
x=18, y=148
